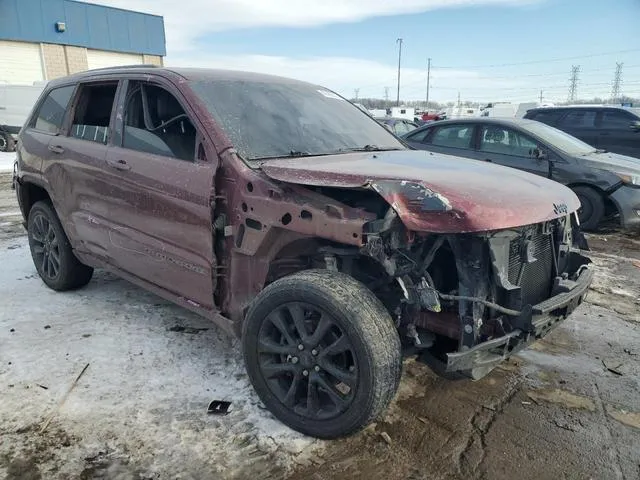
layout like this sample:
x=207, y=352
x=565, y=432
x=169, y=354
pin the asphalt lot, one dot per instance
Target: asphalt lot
x=568, y=408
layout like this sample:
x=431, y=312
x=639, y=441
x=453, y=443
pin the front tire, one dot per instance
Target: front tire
x=51, y=251
x=591, y=209
x=322, y=353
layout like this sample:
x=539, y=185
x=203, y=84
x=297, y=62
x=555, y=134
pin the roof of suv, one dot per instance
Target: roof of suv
x=192, y=74
x=591, y=107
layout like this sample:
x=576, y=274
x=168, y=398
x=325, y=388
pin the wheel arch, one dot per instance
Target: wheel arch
x=28, y=194
x=610, y=206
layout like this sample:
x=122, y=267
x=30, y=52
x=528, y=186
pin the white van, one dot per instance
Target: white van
x=16, y=102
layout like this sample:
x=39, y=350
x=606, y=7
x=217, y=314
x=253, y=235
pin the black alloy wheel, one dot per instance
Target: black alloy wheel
x=308, y=361
x=45, y=247
x=322, y=352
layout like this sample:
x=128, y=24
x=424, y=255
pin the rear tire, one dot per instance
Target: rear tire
x=591, y=209
x=51, y=251
x=322, y=353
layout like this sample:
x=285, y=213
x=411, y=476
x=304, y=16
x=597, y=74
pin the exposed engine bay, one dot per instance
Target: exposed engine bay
x=450, y=294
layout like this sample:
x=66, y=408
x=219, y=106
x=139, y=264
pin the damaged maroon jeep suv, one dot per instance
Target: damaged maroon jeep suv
x=292, y=219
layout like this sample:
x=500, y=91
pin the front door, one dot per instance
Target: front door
x=162, y=174
x=510, y=148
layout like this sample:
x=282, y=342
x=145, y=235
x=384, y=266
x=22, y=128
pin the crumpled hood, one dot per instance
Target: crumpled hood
x=436, y=193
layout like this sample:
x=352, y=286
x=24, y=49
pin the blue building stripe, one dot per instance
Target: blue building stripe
x=87, y=25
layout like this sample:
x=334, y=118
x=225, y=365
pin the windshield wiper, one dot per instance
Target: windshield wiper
x=368, y=148
x=291, y=154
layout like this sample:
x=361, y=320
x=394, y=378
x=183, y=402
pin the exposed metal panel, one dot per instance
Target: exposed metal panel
x=21, y=62
x=87, y=25
x=101, y=59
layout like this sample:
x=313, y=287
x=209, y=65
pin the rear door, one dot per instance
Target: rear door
x=76, y=166
x=581, y=123
x=161, y=176
x=508, y=147
x=616, y=134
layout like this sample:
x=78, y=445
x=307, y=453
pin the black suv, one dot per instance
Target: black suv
x=610, y=128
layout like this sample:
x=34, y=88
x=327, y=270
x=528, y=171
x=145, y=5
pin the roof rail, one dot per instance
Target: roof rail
x=141, y=65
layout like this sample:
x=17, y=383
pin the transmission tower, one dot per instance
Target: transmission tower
x=356, y=91
x=573, y=83
x=386, y=94
x=617, y=82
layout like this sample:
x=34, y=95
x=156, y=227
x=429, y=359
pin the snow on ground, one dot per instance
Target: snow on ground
x=6, y=161
x=140, y=407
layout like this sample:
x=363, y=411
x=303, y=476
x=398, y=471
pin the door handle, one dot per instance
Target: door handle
x=118, y=165
x=56, y=149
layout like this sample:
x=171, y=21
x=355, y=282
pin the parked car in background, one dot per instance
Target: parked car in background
x=610, y=128
x=399, y=126
x=279, y=211
x=605, y=183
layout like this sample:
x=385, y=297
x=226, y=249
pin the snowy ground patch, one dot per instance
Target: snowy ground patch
x=140, y=407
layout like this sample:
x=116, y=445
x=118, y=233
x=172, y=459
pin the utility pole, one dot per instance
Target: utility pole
x=458, y=99
x=356, y=91
x=573, y=83
x=428, y=78
x=540, y=96
x=386, y=94
x=399, y=42
x=617, y=82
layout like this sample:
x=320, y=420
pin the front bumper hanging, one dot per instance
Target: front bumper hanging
x=546, y=315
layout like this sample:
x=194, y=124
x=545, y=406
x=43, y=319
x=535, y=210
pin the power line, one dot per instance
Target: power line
x=617, y=82
x=356, y=91
x=533, y=62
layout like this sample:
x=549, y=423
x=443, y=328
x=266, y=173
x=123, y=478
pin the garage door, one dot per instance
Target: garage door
x=101, y=59
x=20, y=62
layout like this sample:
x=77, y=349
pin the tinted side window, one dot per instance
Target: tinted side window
x=93, y=112
x=455, y=136
x=549, y=117
x=156, y=123
x=51, y=113
x=505, y=141
x=579, y=119
x=419, y=136
x=616, y=119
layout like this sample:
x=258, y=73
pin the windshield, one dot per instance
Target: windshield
x=289, y=119
x=559, y=139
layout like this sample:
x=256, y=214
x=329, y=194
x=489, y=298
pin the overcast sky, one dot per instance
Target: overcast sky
x=488, y=50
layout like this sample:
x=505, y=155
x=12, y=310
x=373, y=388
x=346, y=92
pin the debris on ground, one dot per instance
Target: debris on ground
x=183, y=329
x=219, y=407
x=385, y=436
x=615, y=370
x=63, y=399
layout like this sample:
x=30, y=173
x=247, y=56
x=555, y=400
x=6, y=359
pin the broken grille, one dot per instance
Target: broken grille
x=536, y=277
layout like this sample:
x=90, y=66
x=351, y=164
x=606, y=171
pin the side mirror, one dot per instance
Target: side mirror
x=540, y=154
x=635, y=126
